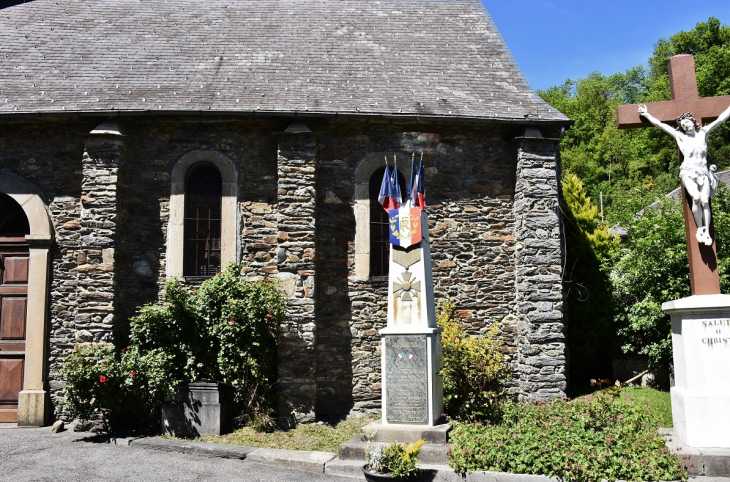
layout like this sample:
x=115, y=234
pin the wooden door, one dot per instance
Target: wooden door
x=13, y=309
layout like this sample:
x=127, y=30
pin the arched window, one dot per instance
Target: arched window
x=379, y=234
x=203, y=196
x=201, y=181
x=13, y=221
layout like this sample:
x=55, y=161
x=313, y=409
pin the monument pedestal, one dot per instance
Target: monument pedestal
x=701, y=349
x=412, y=387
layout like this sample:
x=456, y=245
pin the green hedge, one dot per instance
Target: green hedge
x=592, y=438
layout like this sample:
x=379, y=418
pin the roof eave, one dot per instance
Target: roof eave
x=528, y=120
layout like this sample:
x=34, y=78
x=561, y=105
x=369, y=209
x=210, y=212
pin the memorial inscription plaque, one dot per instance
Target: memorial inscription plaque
x=407, y=375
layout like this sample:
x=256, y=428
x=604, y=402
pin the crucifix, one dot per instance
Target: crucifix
x=698, y=182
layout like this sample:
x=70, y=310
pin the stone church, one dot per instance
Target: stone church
x=143, y=140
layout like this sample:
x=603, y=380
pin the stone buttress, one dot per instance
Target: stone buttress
x=295, y=211
x=538, y=367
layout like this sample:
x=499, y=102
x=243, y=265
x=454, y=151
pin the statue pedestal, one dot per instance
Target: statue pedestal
x=701, y=346
x=411, y=342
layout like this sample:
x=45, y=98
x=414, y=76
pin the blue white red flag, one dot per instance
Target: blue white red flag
x=418, y=190
x=386, y=196
x=395, y=184
x=410, y=185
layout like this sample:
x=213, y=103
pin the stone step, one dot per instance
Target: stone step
x=700, y=462
x=401, y=433
x=354, y=449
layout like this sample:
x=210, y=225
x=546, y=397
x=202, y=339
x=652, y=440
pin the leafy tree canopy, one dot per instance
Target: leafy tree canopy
x=634, y=167
x=615, y=292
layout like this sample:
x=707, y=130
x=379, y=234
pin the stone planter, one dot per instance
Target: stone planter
x=197, y=410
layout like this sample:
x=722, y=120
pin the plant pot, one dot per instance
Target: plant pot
x=197, y=410
x=375, y=477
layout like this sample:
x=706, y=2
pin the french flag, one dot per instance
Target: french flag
x=395, y=184
x=417, y=190
x=386, y=197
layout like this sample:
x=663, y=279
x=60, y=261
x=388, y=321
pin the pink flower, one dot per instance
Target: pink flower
x=102, y=379
x=133, y=373
x=164, y=306
x=266, y=279
x=233, y=320
x=271, y=315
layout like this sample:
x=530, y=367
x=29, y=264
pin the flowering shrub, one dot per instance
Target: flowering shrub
x=223, y=331
x=591, y=438
x=474, y=369
x=120, y=388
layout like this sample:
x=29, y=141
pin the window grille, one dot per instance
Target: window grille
x=379, y=234
x=202, y=249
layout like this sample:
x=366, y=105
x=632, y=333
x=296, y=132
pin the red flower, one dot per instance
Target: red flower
x=193, y=290
x=233, y=320
x=271, y=315
x=105, y=363
x=124, y=349
x=133, y=373
x=164, y=306
x=102, y=379
x=266, y=279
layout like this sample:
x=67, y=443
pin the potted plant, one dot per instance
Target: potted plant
x=391, y=461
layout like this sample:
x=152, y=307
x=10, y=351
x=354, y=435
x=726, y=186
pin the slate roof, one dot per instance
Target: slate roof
x=442, y=58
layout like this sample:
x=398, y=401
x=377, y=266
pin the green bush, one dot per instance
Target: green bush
x=223, y=331
x=122, y=389
x=474, y=369
x=597, y=437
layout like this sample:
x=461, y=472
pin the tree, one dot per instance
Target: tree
x=588, y=307
x=633, y=168
x=652, y=268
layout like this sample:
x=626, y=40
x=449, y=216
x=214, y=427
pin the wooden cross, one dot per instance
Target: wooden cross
x=703, y=271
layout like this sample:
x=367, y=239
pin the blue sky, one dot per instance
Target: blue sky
x=555, y=40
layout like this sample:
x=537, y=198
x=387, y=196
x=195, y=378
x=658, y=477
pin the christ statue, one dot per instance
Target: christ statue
x=699, y=181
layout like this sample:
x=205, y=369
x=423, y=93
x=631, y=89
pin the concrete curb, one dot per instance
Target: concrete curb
x=207, y=449
x=313, y=462
x=294, y=459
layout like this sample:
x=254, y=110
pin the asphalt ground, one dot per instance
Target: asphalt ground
x=37, y=454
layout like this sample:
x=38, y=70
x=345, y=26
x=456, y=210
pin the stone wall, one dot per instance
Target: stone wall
x=493, y=223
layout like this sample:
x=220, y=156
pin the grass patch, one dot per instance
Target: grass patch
x=310, y=436
x=607, y=435
x=660, y=403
